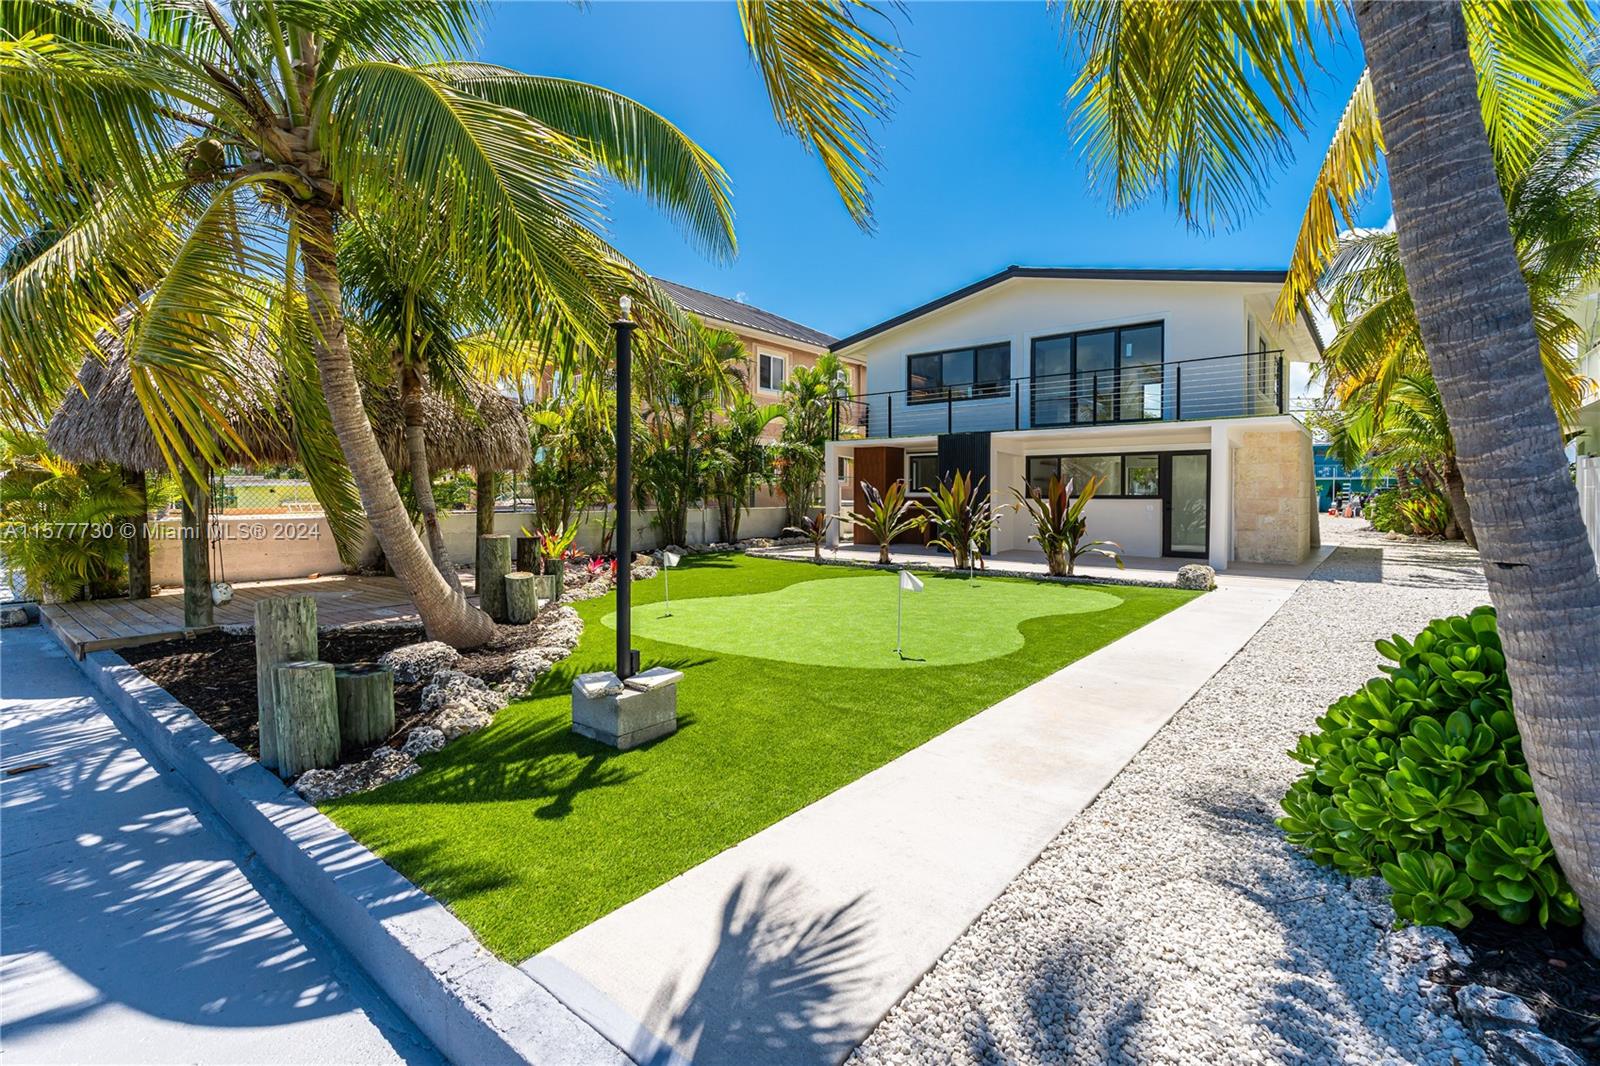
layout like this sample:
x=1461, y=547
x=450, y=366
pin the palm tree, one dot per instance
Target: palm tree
x=1376, y=364
x=1197, y=100
x=411, y=305
x=1410, y=432
x=737, y=460
x=684, y=389
x=810, y=397
x=229, y=147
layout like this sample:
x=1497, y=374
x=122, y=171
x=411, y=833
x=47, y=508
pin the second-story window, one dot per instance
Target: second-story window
x=959, y=374
x=771, y=372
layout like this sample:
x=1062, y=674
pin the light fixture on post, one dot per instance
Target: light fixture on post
x=627, y=659
x=631, y=706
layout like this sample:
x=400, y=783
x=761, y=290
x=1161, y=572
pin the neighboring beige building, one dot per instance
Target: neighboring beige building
x=776, y=345
x=1168, y=385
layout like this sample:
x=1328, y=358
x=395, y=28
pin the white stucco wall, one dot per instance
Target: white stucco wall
x=251, y=547
x=1201, y=319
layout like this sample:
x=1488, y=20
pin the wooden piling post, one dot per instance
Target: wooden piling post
x=522, y=597
x=494, y=563
x=286, y=631
x=366, y=705
x=307, y=714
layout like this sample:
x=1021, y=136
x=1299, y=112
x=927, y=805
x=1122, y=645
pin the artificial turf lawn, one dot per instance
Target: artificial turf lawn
x=529, y=832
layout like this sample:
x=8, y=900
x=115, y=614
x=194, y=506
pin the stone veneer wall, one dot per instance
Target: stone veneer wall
x=1274, y=502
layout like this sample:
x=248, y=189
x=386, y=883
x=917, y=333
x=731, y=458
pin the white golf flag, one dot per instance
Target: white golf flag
x=671, y=558
x=909, y=582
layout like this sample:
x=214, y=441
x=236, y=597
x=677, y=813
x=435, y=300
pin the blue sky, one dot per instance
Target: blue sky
x=978, y=170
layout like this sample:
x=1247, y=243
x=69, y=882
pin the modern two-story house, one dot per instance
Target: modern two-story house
x=1171, y=386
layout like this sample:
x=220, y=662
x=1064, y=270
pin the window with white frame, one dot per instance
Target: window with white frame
x=771, y=372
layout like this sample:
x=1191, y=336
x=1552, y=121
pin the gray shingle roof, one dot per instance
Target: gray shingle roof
x=709, y=305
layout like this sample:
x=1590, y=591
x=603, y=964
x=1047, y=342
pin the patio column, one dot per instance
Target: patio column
x=1221, y=498
x=831, y=496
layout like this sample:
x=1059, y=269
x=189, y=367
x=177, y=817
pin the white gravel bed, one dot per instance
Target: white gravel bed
x=1170, y=922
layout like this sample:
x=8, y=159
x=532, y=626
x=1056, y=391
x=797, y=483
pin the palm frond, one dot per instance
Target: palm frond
x=1192, y=101
x=828, y=78
x=512, y=197
x=638, y=147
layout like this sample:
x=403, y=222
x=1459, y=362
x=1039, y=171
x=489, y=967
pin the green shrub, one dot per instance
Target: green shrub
x=1418, y=511
x=1419, y=776
x=1383, y=511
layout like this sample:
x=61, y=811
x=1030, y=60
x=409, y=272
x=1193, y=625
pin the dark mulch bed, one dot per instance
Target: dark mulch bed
x=215, y=674
x=1549, y=968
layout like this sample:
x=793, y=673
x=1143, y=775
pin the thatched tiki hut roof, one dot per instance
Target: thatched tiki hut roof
x=491, y=434
x=102, y=421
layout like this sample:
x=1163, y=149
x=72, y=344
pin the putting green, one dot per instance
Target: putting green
x=851, y=622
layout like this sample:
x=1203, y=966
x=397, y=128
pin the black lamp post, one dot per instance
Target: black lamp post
x=627, y=658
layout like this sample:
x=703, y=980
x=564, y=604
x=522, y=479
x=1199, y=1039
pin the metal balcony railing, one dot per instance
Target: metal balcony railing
x=1223, y=386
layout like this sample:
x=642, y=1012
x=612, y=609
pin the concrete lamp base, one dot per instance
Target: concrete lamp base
x=625, y=714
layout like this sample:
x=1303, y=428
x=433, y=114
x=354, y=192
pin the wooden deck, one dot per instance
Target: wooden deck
x=95, y=625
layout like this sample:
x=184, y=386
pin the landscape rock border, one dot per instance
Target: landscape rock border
x=473, y=1006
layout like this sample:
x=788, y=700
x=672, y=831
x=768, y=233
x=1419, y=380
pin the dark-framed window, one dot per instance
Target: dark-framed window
x=922, y=471
x=1123, y=475
x=1112, y=374
x=973, y=373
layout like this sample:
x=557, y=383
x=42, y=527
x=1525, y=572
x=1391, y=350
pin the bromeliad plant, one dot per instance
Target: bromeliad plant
x=1420, y=776
x=814, y=527
x=1060, y=527
x=888, y=515
x=959, y=514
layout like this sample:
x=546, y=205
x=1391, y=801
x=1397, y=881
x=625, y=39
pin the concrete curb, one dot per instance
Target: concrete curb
x=475, y=1008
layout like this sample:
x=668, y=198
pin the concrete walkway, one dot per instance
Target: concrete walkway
x=790, y=946
x=134, y=927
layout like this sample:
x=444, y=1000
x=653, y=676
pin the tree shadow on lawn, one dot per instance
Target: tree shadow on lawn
x=523, y=756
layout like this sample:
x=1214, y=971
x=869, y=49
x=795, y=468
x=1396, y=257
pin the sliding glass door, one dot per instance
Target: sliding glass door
x=1186, y=503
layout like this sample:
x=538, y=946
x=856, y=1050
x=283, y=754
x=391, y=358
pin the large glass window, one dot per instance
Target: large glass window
x=1120, y=475
x=1140, y=353
x=922, y=471
x=959, y=374
x=1142, y=475
x=1078, y=469
x=1103, y=375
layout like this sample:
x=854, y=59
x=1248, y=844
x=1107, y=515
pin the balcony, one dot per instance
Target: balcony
x=1246, y=385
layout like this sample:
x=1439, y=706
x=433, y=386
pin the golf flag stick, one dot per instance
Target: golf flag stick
x=908, y=581
x=668, y=561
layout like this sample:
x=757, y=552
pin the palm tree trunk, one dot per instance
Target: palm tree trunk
x=422, y=475
x=139, y=543
x=445, y=612
x=1435, y=481
x=485, y=502
x=1460, y=508
x=1477, y=327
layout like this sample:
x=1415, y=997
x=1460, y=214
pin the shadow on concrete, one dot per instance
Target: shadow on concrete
x=142, y=903
x=775, y=983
